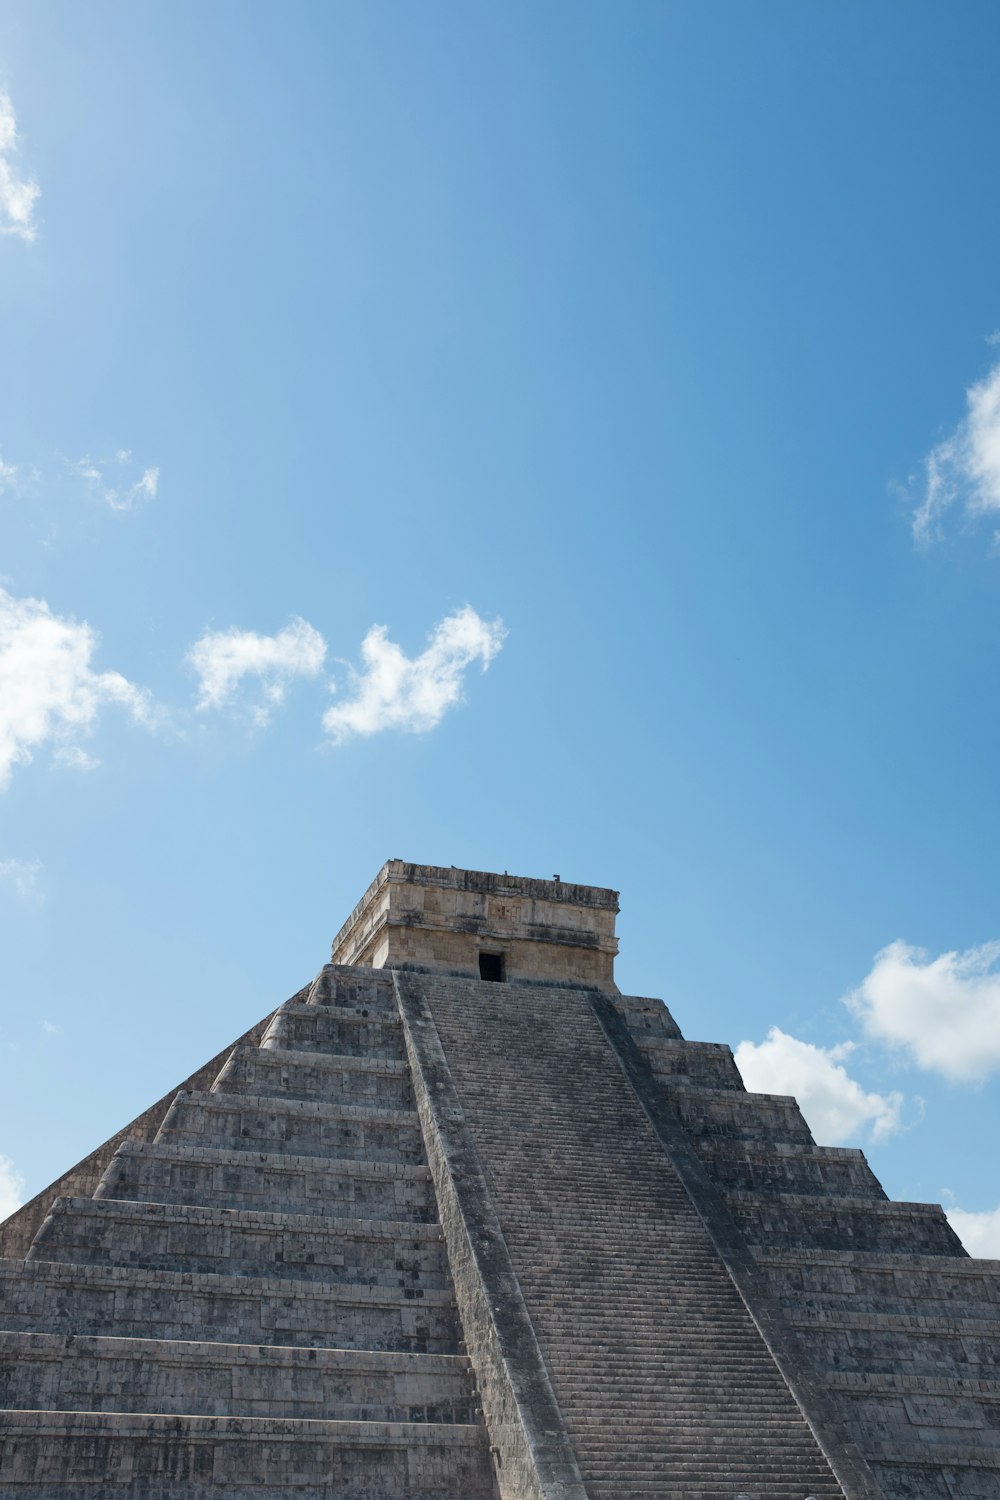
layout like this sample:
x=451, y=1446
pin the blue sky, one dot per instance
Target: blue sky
x=547, y=438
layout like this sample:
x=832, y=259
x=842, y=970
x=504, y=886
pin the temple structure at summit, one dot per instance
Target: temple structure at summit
x=459, y=1221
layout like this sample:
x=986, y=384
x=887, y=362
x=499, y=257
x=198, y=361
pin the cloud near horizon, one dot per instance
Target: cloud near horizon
x=49, y=691
x=395, y=691
x=965, y=468
x=943, y=1012
x=837, y=1109
x=979, y=1232
x=11, y=1187
x=223, y=659
x=18, y=195
x=8, y=476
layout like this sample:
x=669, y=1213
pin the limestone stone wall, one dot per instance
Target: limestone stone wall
x=441, y=919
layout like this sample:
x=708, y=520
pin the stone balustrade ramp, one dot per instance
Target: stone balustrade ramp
x=665, y=1384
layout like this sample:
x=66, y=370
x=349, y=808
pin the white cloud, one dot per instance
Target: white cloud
x=18, y=195
x=223, y=658
x=395, y=691
x=944, y=1012
x=75, y=758
x=8, y=476
x=11, y=1187
x=23, y=875
x=835, y=1105
x=48, y=688
x=115, y=485
x=51, y=1029
x=965, y=468
x=979, y=1232
x=144, y=488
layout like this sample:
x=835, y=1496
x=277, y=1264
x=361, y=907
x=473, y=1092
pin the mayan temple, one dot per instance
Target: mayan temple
x=459, y=1221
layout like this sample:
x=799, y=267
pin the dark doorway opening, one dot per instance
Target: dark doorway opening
x=491, y=966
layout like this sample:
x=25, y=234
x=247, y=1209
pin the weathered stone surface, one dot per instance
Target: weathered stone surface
x=298, y=1127
x=429, y=918
x=40, y=1371
x=872, y=1291
x=658, y=1369
x=265, y=1285
x=255, y=1302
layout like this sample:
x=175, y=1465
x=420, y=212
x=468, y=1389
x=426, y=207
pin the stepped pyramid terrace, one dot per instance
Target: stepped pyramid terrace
x=460, y=1221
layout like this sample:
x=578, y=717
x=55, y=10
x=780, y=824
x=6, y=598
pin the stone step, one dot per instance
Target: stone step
x=940, y=1470
x=643, y=1016
x=627, y=1295
x=55, y=1455
x=368, y=991
x=829, y=1223
x=162, y=1173
x=742, y=1116
x=727, y=1486
x=301, y=1127
x=830, y=1306
x=43, y=1371
x=756, y=1166
x=678, y=1063
x=919, y=1410
x=881, y=1343
x=55, y=1297
x=852, y=1383
x=314, y=1028
x=230, y=1242
x=376, y=1082
x=870, y=1281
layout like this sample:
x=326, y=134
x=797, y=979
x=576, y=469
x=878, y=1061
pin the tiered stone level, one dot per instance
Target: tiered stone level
x=265, y=1287
x=898, y=1322
x=256, y=1302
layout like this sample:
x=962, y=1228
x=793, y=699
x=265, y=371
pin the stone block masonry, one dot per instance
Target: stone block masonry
x=663, y=1380
x=461, y=1222
x=256, y=1302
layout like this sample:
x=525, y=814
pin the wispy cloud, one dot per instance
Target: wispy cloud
x=49, y=691
x=837, y=1108
x=979, y=1232
x=18, y=195
x=943, y=1012
x=8, y=476
x=74, y=758
x=394, y=691
x=964, y=469
x=223, y=659
x=51, y=1029
x=117, y=481
x=23, y=876
x=11, y=1187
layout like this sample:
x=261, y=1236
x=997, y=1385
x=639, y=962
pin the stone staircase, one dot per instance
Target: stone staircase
x=900, y=1325
x=256, y=1302
x=667, y=1388
x=247, y=1293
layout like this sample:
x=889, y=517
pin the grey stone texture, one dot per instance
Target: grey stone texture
x=254, y=1298
x=896, y=1324
x=420, y=1235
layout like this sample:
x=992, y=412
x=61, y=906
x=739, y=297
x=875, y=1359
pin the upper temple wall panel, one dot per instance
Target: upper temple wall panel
x=434, y=918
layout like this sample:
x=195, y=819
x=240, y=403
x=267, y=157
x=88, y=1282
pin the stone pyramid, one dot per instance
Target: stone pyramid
x=461, y=1222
